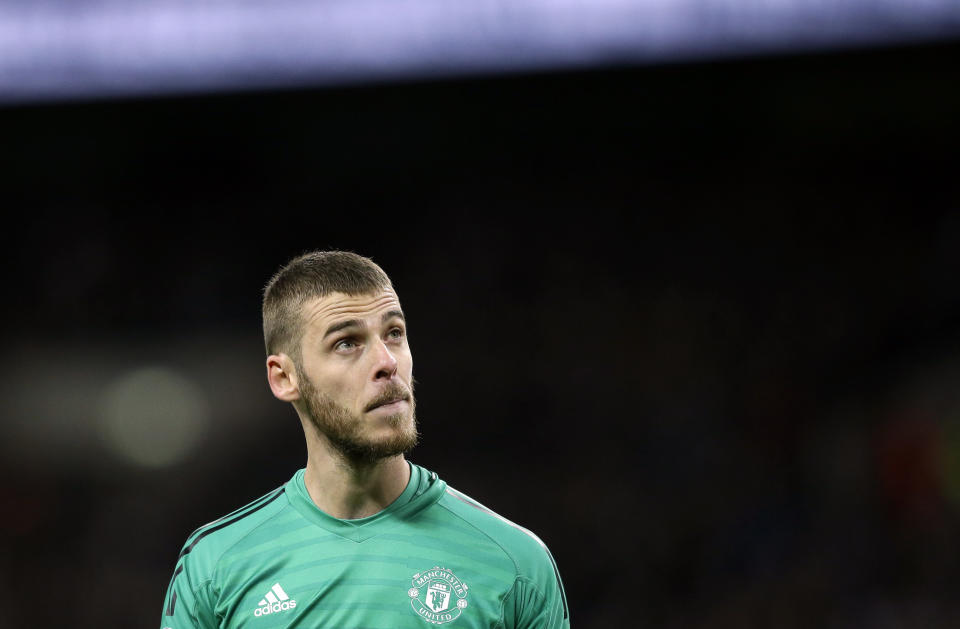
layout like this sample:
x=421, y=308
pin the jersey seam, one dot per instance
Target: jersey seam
x=531, y=583
x=196, y=599
x=531, y=534
x=516, y=566
x=503, y=603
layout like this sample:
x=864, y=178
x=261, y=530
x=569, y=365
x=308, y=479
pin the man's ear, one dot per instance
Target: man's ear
x=282, y=376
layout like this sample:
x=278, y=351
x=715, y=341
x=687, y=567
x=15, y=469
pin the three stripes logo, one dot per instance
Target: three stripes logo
x=274, y=602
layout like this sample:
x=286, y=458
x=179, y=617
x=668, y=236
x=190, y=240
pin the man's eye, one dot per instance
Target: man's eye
x=345, y=344
x=395, y=333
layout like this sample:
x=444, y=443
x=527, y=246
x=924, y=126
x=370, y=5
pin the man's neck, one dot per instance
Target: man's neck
x=348, y=490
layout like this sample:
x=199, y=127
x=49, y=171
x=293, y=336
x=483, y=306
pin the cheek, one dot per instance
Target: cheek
x=405, y=359
x=338, y=387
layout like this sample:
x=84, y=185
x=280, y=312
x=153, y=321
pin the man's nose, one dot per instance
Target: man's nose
x=386, y=362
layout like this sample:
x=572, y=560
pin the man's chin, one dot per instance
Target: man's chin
x=400, y=421
x=373, y=450
x=400, y=436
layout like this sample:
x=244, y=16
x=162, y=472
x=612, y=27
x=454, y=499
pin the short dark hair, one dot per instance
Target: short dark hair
x=309, y=276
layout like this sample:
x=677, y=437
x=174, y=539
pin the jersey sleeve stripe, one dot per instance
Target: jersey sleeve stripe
x=173, y=593
x=173, y=603
x=255, y=503
x=206, y=532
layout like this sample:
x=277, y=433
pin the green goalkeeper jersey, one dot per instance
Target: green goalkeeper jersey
x=433, y=557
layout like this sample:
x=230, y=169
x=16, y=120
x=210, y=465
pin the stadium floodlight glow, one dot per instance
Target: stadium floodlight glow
x=53, y=50
x=153, y=417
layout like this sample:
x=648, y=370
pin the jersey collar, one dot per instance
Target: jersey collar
x=423, y=489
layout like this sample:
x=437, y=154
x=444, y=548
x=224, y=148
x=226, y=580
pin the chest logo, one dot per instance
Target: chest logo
x=437, y=595
x=274, y=602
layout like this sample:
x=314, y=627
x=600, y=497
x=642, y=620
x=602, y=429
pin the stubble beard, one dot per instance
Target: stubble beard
x=344, y=430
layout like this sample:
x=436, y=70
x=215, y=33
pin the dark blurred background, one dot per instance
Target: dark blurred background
x=695, y=324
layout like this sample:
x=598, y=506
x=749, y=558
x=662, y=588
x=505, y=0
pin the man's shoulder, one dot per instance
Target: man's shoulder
x=537, y=579
x=207, y=543
x=525, y=549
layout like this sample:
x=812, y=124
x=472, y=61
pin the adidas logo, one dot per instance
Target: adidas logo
x=275, y=601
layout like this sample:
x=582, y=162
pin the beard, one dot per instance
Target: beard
x=344, y=430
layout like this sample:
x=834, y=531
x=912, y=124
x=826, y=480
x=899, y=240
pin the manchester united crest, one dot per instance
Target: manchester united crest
x=437, y=595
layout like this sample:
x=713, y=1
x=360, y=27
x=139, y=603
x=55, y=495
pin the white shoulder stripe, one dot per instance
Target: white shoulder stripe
x=473, y=503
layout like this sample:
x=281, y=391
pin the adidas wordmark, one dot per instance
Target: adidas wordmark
x=275, y=601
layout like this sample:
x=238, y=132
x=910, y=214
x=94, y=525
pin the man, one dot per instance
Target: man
x=359, y=538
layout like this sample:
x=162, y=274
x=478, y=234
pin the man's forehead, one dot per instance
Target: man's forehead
x=326, y=310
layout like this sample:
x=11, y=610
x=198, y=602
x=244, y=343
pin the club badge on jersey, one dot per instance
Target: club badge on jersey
x=437, y=595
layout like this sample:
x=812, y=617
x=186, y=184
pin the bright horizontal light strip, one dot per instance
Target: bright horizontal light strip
x=59, y=49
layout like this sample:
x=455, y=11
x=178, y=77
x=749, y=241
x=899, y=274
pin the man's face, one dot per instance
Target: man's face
x=356, y=374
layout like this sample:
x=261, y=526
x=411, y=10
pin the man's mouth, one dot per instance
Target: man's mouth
x=387, y=402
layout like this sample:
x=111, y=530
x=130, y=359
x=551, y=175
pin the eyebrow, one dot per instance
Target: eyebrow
x=357, y=323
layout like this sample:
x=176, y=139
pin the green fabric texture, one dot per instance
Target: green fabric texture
x=434, y=557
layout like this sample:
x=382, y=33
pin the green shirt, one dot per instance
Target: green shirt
x=433, y=557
